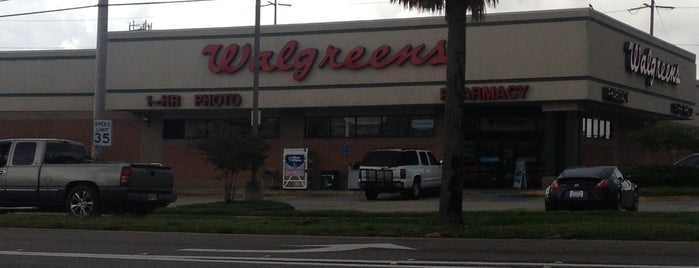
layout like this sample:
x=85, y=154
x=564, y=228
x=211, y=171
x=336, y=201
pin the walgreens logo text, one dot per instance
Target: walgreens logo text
x=301, y=61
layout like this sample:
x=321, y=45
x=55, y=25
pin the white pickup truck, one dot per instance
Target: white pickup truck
x=407, y=171
x=58, y=174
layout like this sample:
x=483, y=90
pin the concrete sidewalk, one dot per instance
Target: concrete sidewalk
x=473, y=200
x=488, y=199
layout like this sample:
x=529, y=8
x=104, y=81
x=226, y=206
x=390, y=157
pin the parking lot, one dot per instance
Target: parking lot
x=474, y=200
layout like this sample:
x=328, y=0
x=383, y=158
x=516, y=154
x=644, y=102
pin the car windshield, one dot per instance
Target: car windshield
x=590, y=172
x=390, y=158
x=690, y=161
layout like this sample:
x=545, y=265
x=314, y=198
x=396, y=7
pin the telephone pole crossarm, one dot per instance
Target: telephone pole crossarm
x=652, y=7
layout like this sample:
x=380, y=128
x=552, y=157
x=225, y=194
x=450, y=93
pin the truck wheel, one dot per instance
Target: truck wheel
x=415, y=190
x=371, y=194
x=82, y=201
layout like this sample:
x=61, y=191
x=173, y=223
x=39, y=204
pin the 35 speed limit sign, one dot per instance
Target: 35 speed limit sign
x=102, y=133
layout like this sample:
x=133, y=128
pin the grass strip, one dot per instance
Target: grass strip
x=274, y=218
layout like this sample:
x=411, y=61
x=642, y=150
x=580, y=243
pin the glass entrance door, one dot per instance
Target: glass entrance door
x=491, y=161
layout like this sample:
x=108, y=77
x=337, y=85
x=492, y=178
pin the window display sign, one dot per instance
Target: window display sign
x=295, y=165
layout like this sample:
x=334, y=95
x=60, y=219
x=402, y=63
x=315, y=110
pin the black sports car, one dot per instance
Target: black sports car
x=592, y=187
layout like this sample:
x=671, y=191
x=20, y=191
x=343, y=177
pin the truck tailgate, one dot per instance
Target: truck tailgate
x=150, y=176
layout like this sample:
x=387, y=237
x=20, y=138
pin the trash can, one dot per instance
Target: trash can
x=329, y=179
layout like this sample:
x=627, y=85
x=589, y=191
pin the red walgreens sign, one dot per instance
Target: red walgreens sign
x=234, y=58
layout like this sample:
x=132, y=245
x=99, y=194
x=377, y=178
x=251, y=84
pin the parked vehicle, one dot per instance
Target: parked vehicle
x=408, y=171
x=691, y=161
x=592, y=187
x=55, y=174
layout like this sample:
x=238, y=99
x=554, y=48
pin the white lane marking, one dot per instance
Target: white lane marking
x=308, y=249
x=322, y=262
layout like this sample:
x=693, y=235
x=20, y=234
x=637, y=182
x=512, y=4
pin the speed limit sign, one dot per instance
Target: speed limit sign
x=102, y=133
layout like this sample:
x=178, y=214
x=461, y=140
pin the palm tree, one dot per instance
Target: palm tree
x=451, y=197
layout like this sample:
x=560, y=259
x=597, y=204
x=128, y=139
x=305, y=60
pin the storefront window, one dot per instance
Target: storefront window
x=595, y=128
x=370, y=126
x=342, y=127
x=196, y=128
x=318, y=127
x=421, y=126
x=394, y=126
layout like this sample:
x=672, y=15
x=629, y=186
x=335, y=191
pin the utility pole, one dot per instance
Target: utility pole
x=275, y=4
x=256, y=71
x=101, y=71
x=652, y=7
x=253, y=189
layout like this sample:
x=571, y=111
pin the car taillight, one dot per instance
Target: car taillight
x=554, y=185
x=125, y=176
x=603, y=184
x=402, y=174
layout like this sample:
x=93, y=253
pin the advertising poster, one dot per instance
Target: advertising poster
x=295, y=165
x=520, y=179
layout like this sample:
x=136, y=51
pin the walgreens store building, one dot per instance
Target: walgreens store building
x=550, y=89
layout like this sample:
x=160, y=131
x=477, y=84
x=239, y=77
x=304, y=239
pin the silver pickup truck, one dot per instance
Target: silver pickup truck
x=58, y=174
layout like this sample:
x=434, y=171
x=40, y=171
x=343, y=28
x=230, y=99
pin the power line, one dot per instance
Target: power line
x=45, y=11
x=652, y=7
x=91, y=6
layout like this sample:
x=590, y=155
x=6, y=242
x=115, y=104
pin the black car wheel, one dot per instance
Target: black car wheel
x=548, y=206
x=634, y=207
x=617, y=203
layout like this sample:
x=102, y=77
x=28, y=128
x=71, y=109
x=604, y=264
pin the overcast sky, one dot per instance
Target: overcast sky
x=75, y=29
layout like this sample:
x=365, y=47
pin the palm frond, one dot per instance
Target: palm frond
x=477, y=7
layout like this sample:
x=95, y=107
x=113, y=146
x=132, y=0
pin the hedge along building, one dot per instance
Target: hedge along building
x=551, y=89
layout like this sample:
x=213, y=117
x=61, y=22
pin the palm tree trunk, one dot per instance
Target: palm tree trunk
x=450, y=207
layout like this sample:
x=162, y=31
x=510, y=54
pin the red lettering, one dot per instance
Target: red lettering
x=231, y=62
x=286, y=54
x=330, y=58
x=170, y=101
x=212, y=51
x=235, y=100
x=438, y=55
x=378, y=55
x=217, y=100
x=230, y=54
x=304, y=63
x=500, y=93
x=523, y=91
x=264, y=62
x=510, y=92
x=353, y=56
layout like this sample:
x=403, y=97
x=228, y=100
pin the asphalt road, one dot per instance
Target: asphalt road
x=474, y=200
x=81, y=248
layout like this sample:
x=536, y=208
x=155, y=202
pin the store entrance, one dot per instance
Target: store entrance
x=490, y=160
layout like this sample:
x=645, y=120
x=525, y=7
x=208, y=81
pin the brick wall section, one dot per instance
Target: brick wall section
x=125, y=143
